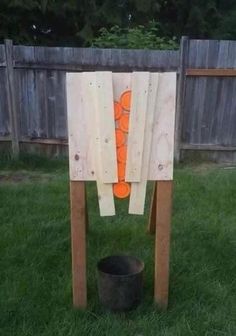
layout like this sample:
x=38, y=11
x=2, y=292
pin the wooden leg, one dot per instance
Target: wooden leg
x=86, y=212
x=152, y=217
x=78, y=243
x=162, y=244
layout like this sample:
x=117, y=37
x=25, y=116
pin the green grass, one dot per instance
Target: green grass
x=35, y=265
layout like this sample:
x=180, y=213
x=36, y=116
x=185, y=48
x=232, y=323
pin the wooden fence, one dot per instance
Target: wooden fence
x=33, y=100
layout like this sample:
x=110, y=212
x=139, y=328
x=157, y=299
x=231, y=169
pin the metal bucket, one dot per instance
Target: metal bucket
x=120, y=282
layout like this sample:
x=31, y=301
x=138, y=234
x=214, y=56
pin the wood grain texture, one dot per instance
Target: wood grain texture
x=162, y=242
x=91, y=59
x=121, y=82
x=211, y=72
x=78, y=243
x=81, y=155
x=35, y=67
x=90, y=96
x=138, y=190
x=162, y=149
x=138, y=111
x=180, y=94
x=105, y=125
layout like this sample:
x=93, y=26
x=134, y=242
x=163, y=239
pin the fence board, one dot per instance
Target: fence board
x=209, y=103
x=94, y=58
x=209, y=107
x=4, y=116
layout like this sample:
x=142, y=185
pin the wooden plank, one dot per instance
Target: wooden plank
x=105, y=192
x=61, y=117
x=184, y=48
x=139, y=104
x=85, y=59
x=4, y=112
x=162, y=242
x=121, y=82
x=106, y=127
x=62, y=142
x=162, y=149
x=153, y=211
x=12, y=108
x=211, y=72
x=81, y=154
x=78, y=243
x=138, y=189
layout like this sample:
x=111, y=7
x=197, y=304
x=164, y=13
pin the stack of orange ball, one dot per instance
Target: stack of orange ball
x=122, y=109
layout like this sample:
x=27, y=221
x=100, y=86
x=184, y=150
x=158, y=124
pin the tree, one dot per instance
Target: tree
x=78, y=22
x=139, y=37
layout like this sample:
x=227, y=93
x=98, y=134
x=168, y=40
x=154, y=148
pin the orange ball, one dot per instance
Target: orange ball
x=124, y=122
x=121, y=171
x=120, y=138
x=121, y=189
x=122, y=153
x=117, y=110
x=125, y=100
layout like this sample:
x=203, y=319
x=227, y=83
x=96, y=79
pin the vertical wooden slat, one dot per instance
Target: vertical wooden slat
x=139, y=104
x=78, y=243
x=180, y=95
x=138, y=190
x=11, y=97
x=105, y=192
x=105, y=125
x=162, y=147
x=162, y=243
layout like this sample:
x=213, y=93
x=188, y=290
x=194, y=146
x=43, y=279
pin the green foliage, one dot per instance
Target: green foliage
x=139, y=37
x=79, y=22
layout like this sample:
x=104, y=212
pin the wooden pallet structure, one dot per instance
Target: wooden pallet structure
x=121, y=134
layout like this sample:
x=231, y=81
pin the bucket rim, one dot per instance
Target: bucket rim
x=141, y=262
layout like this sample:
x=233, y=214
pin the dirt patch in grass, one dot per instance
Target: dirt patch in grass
x=205, y=168
x=23, y=176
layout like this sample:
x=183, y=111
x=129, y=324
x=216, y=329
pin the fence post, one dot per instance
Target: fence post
x=180, y=95
x=11, y=97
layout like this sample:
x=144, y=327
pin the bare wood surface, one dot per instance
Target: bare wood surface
x=153, y=210
x=80, y=126
x=162, y=243
x=137, y=121
x=138, y=190
x=211, y=72
x=105, y=126
x=78, y=243
x=162, y=148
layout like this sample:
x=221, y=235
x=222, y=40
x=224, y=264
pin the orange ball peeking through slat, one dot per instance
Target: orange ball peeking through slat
x=120, y=138
x=125, y=100
x=122, y=153
x=122, y=188
x=121, y=171
x=124, y=122
x=117, y=110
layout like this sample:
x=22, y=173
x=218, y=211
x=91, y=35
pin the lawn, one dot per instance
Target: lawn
x=35, y=263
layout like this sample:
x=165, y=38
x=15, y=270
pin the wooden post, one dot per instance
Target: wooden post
x=162, y=243
x=11, y=97
x=78, y=243
x=152, y=216
x=180, y=95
